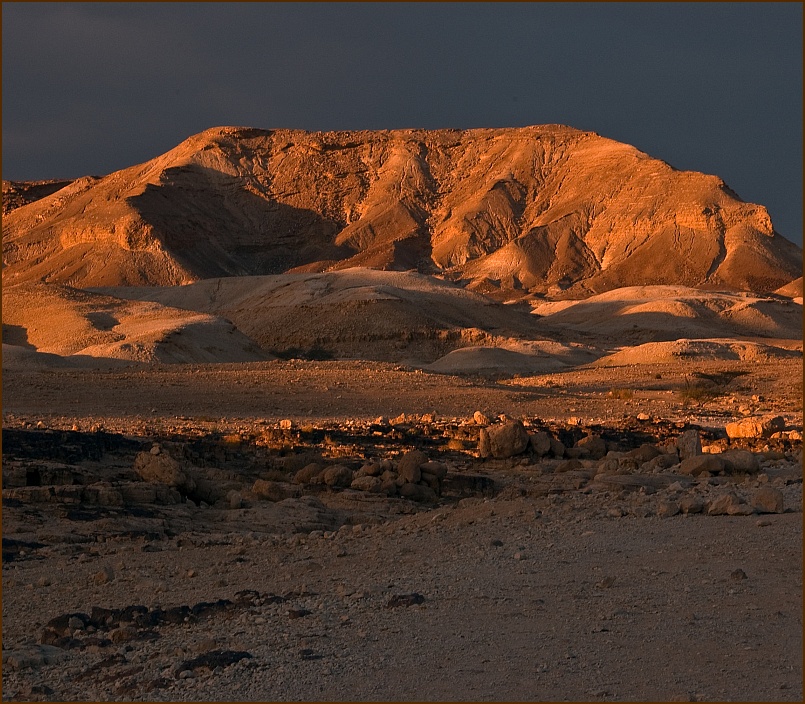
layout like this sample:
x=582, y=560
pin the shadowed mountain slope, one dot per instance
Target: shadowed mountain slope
x=506, y=211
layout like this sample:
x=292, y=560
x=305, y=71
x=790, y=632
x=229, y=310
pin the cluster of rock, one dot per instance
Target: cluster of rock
x=412, y=476
x=594, y=464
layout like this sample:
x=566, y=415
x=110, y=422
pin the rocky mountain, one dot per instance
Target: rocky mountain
x=508, y=212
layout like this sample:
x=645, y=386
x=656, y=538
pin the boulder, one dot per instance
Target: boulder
x=540, y=443
x=688, y=444
x=691, y=504
x=417, y=492
x=568, y=465
x=741, y=461
x=438, y=469
x=728, y=504
x=367, y=482
x=697, y=464
x=557, y=448
x=162, y=469
x=503, y=440
x=408, y=466
x=595, y=445
x=338, y=475
x=763, y=427
x=644, y=453
x=767, y=499
x=274, y=491
x=480, y=418
x=308, y=473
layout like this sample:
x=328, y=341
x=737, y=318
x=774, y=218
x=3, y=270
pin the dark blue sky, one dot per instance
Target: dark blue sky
x=89, y=88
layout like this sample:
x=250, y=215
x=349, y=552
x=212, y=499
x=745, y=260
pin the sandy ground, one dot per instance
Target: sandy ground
x=533, y=590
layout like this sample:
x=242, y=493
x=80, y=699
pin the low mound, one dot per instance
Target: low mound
x=49, y=318
x=17, y=357
x=792, y=290
x=356, y=312
x=684, y=350
x=664, y=313
x=525, y=358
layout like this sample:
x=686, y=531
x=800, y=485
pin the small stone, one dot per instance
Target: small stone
x=405, y=600
x=480, y=418
x=518, y=556
x=186, y=674
x=286, y=424
x=643, y=416
x=156, y=449
x=738, y=575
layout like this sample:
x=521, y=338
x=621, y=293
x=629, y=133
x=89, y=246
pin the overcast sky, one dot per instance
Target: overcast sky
x=89, y=88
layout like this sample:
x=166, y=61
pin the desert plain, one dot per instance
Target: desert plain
x=473, y=415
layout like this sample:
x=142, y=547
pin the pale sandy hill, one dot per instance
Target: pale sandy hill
x=659, y=313
x=792, y=290
x=355, y=312
x=546, y=208
x=50, y=318
x=683, y=350
x=513, y=358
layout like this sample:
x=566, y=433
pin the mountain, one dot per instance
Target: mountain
x=508, y=212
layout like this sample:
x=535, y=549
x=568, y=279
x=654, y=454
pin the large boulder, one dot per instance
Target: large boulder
x=504, y=440
x=274, y=491
x=595, y=445
x=689, y=444
x=763, y=427
x=408, y=467
x=697, y=464
x=338, y=475
x=162, y=469
x=767, y=499
x=741, y=461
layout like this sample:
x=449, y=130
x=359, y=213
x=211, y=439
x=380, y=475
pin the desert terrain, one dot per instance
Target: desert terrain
x=439, y=416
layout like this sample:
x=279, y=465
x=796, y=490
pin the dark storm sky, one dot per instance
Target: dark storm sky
x=89, y=88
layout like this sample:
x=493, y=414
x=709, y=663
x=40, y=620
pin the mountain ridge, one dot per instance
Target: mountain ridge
x=505, y=211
